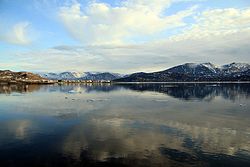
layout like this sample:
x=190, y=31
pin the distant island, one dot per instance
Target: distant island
x=188, y=72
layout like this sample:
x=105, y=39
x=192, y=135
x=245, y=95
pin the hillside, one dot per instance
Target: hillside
x=7, y=76
x=194, y=72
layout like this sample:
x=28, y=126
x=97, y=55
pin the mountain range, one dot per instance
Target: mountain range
x=194, y=72
x=81, y=76
x=188, y=72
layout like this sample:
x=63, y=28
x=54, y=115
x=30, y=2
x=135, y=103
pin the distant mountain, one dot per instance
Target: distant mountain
x=102, y=76
x=62, y=76
x=194, y=72
x=188, y=72
x=206, y=69
x=82, y=76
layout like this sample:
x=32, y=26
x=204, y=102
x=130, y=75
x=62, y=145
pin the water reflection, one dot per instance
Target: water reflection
x=184, y=91
x=115, y=137
x=125, y=125
x=19, y=88
x=190, y=91
x=16, y=129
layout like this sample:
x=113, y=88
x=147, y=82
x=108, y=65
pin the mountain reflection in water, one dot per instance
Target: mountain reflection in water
x=125, y=125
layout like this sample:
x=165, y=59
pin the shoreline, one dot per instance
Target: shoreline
x=117, y=83
x=181, y=82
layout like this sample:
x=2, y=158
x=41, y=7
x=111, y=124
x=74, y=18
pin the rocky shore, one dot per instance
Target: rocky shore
x=10, y=77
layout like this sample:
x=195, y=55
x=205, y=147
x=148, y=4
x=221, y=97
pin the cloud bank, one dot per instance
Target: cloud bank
x=138, y=35
x=100, y=23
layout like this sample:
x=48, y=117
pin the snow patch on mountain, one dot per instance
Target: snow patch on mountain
x=194, y=70
x=211, y=67
x=235, y=67
x=81, y=75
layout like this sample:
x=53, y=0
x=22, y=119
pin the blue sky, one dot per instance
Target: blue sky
x=121, y=36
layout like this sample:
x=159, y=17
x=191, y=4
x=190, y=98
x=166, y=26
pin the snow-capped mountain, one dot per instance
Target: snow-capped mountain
x=57, y=76
x=81, y=76
x=195, y=69
x=194, y=72
x=235, y=67
x=184, y=72
x=208, y=69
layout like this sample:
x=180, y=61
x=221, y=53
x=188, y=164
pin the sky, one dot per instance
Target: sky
x=122, y=36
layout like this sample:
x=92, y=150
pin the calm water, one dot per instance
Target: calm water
x=125, y=125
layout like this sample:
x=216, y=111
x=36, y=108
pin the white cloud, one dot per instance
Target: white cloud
x=217, y=22
x=19, y=34
x=146, y=57
x=216, y=35
x=100, y=23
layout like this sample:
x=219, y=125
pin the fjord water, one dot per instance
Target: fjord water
x=125, y=125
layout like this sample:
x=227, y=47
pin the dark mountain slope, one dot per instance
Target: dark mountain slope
x=194, y=72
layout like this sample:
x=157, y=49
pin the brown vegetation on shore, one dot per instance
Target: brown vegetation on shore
x=10, y=77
